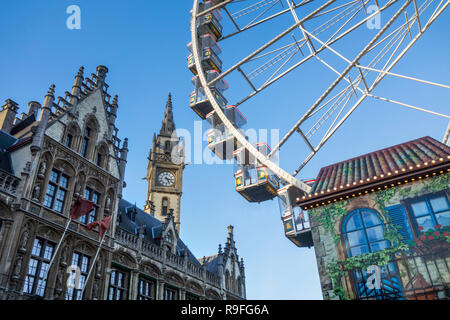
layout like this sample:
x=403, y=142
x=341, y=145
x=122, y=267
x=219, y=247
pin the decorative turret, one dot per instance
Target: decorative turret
x=76, y=89
x=113, y=115
x=43, y=120
x=8, y=115
x=122, y=164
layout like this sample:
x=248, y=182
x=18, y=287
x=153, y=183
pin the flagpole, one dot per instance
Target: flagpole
x=59, y=245
x=92, y=265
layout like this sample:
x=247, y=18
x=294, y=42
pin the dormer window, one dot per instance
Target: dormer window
x=169, y=237
x=70, y=139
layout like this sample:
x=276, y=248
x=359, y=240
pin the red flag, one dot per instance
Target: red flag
x=103, y=225
x=81, y=207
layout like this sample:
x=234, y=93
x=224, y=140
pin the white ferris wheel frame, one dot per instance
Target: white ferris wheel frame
x=265, y=160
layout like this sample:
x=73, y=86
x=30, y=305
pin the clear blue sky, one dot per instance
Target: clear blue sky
x=143, y=43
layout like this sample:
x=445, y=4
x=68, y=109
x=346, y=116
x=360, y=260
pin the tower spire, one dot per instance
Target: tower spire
x=168, y=125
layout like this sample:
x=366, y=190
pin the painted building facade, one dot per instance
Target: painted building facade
x=381, y=224
x=69, y=147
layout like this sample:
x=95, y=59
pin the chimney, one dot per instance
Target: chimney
x=230, y=234
x=8, y=115
x=43, y=120
x=33, y=107
x=76, y=89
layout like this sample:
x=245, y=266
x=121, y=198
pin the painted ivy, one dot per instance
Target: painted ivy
x=328, y=215
x=337, y=270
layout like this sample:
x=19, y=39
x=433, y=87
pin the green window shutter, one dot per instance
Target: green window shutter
x=398, y=216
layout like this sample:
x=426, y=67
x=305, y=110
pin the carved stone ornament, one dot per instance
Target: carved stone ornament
x=42, y=169
x=17, y=268
x=108, y=204
x=27, y=167
x=24, y=240
x=63, y=260
x=36, y=193
x=98, y=269
x=95, y=290
x=59, y=282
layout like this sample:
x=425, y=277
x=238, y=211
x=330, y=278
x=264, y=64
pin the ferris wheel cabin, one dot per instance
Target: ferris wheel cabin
x=296, y=222
x=210, y=22
x=210, y=51
x=198, y=100
x=220, y=140
x=253, y=181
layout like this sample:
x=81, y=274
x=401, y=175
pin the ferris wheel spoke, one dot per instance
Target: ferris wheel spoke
x=259, y=22
x=409, y=106
x=343, y=74
x=446, y=139
x=301, y=62
x=269, y=43
x=217, y=6
x=383, y=72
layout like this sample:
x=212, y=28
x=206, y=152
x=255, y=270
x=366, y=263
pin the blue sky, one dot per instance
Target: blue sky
x=143, y=43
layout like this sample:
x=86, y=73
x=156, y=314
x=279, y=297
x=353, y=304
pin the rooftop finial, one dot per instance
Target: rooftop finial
x=230, y=230
x=115, y=100
x=80, y=72
x=51, y=90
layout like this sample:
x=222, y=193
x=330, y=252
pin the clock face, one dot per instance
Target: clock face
x=166, y=178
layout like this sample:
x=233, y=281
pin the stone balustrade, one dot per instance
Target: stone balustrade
x=9, y=183
x=145, y=247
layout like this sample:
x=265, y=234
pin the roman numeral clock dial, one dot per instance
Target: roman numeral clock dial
x=166, y=179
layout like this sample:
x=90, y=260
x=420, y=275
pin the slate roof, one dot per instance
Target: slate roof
x=6, y=141
x=378, y=167
x=212, y=263
x=152, y=226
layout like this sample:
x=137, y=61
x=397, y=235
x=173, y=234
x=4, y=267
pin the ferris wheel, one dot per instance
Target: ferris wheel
x=357, y=41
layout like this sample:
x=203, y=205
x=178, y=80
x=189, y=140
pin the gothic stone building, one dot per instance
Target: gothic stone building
x=388, y=209
x=69, y=147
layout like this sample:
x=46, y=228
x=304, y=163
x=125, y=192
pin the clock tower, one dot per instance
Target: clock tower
x=165, y=171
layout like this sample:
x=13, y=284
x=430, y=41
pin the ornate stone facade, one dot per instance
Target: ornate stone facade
x=67, y=148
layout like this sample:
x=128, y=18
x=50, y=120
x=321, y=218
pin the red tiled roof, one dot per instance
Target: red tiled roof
x=380, y=165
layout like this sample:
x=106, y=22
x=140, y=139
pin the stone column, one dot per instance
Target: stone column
x=161, y=284
x=182, y=294
x=4, y=232
x=134, y=283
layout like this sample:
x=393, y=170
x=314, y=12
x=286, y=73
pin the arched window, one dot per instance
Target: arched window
x=227, y=280
x=167, y=147
x=363, y=232
x=239, y=286
x=71, y=137
x=169, y=237
x=89, y=138
x=164, y=206
x=101, y=157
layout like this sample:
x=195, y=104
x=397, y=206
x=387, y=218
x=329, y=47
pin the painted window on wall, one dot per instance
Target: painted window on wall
x=363, y=232
x=430, y=211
